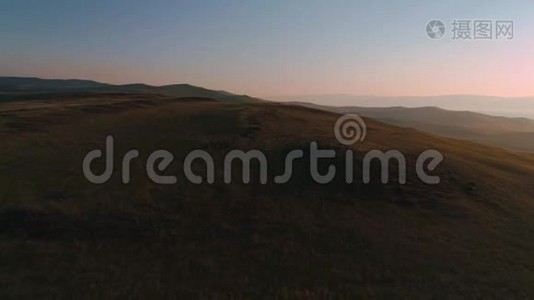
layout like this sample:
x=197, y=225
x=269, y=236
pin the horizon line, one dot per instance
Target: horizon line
x=279, y=96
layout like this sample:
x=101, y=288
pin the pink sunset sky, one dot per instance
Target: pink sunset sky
x=275, y=48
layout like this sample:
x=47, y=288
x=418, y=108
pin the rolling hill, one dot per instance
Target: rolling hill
x=471, y=236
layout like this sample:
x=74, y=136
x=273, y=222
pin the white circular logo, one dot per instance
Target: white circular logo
x=435, y=29
x=350, y=129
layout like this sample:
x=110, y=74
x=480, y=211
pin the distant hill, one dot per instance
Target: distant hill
x=30, y=88
x=512, y=133
x=499, y=106
x=33, y=84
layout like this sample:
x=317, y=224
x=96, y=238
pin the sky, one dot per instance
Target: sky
x=271, y=48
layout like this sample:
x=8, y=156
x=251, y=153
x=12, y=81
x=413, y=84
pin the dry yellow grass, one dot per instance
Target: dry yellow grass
x=469, y=237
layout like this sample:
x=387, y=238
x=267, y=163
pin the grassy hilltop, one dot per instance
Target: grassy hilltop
x=470, y=236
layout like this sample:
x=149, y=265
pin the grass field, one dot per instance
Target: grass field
x=472, y=236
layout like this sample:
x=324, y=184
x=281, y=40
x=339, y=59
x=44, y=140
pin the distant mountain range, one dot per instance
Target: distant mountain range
x=29, y=88
x=511, y=133
x=498, y=106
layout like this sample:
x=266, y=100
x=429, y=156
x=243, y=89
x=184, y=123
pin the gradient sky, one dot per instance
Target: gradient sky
x=268, y=48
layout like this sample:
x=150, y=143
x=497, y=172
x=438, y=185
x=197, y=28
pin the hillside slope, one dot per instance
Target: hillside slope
x=470, y=236
x=512, y=133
